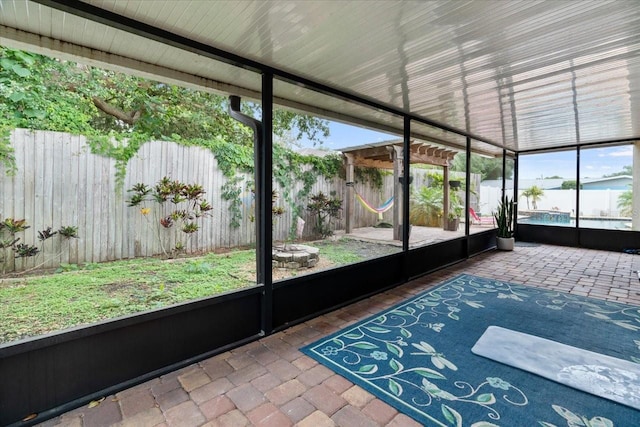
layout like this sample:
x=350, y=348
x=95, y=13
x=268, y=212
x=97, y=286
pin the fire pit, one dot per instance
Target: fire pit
x=294, y=256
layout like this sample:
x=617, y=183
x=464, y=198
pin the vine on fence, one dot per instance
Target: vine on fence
x=289, y=167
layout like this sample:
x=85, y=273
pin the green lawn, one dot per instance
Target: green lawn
x=79, y=295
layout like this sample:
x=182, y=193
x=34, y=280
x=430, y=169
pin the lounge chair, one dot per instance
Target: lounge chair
x=481, y=220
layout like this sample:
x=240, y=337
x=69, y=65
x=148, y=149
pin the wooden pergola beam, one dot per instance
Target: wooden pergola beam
x=390, y=156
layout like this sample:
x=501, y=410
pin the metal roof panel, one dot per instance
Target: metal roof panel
x=526, y=74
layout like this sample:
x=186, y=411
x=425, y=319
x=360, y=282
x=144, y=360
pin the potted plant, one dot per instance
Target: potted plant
x=504, y=217
x=453, y=220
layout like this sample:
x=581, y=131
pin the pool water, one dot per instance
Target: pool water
x=607, y=224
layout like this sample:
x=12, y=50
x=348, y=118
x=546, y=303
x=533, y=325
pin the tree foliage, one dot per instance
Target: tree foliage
x=625, y=203
x=39, y=92
x=119, y=112
x=487, y=168
x=534, y=193
x=626, y=170
x=324, y=207
x=44, y=93
x=570, y=184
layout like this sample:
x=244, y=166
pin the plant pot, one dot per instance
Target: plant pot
x=452, y=224
x=455, y=184
x=505, y=243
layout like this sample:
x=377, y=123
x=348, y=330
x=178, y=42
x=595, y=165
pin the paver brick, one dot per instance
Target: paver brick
x=315, y=375
x=246, y=374
x=266, y=382
x=353, y=417
x=317, y=419
x=246, y=397
x=268, y=415
x=379, y=411
x=283, y=370
x=105, y=414
x=286, y=392
x=185, y=414
x=239, y=361
x=70, y=421
x=194, y=379
x=150, y=417
x=323, y=398
x=401, y=420
x=233, y=418
x=357, y=396
x=297, y=409
x=304, y=363
x=263, y=355
x=211, y=390
x=338, y=383
x=216, y=367
x=216, y=407
x=172, y=398
x=131, y=404
x=165, y=386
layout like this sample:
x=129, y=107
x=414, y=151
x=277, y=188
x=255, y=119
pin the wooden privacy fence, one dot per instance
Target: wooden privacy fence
x=60, y=182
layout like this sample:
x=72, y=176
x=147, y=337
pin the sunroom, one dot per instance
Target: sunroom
x=534, y=102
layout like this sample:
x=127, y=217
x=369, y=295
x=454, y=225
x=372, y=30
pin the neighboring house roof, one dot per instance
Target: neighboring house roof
x=316, y=152
x=545, y=184
x=620, y=182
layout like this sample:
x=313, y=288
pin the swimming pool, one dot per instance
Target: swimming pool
x=607, y=224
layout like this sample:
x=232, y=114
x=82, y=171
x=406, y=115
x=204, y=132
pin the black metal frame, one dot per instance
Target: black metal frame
x=58, y=372
x=576, y=236
x=53, y=374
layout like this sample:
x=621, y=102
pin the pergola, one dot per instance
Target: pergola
x=390, y=155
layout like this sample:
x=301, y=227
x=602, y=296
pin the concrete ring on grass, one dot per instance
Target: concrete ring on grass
x=294, y=256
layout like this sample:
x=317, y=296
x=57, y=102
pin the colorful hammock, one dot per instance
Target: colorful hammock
x=382, y=209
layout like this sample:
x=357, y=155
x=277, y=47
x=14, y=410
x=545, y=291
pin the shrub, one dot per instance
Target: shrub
x=177, y=207
x=12, y=248
x=324, y=208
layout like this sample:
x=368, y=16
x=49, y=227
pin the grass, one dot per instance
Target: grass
x=80, y=295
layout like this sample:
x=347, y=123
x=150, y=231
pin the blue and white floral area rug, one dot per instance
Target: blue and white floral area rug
x=417, y=355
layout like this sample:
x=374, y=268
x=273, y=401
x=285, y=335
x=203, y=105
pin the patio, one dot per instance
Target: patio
x=419, y=236
x=271, y=383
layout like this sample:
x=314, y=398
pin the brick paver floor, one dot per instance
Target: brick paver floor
x=271, y=383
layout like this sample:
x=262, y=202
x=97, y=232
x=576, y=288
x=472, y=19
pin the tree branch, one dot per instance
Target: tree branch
x=129, y=118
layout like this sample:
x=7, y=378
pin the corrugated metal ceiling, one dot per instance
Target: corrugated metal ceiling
x=526, y=75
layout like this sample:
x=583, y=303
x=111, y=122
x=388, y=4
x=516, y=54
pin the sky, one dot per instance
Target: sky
x=595, y=162
x=343, y=136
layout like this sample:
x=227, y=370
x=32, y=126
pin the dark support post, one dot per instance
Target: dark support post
x=467, y=194
x=349, y=199
x=504, y=173
x=406, y=183
x=578, y=186
x=262, y=162
x=396, y=153
x=445, y=196
x=516, y=162
x=264, y=184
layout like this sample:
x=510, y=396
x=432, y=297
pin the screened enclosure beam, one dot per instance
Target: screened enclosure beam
x=264, y=186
